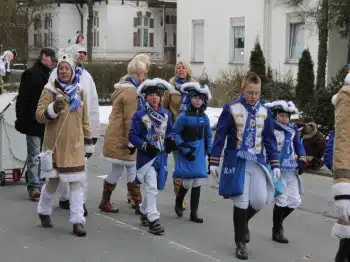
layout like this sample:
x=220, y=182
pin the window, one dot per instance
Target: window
x=95, y=30
x=48, y=30
x=143, y=36
x=174, y=39
x=37, y=31
x=296, y=40
x=165, y=38
x=198, y=41
x=237, y=35
x=170, y=19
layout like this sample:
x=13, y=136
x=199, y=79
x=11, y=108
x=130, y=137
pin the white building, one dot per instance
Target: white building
x=120, y=31
x=220, y=35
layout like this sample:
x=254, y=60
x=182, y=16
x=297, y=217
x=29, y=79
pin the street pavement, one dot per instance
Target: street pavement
x=119, y=237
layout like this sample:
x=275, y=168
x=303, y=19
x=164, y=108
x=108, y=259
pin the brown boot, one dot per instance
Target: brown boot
x=45, y=221
x=177, y=183
x=105, y=204
x=78, y=230
x=135, y=193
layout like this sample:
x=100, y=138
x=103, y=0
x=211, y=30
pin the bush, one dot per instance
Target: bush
x=228, y=84
x=279, y=89
x=106, y=75
x=305, y=83
x=257, y=62
x=322, y=111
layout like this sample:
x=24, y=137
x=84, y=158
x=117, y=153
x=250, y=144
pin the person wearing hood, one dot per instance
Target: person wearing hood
x=79, y=53
x=289, y=186
x=67, y=139
x=341, y=172
x=116, y=148
x=177, y=102
x=194, y=142
x=247, y=126
x=152, y=134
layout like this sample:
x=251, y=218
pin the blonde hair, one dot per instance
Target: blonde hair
x=136, y=67
x=143, y=58
x=250, y=78
x=186, y=66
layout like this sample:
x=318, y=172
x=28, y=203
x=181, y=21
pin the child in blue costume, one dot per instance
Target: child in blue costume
x=151, y=133
x=194, y=141
x=289, y=146
x=328, y=152
x=248, y=127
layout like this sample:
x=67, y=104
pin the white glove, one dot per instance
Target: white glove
x=276, y=173
x=214, y=171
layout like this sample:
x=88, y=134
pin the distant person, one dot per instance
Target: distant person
x=32, y=84
x=5, y=60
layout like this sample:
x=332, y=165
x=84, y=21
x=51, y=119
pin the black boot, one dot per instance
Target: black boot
x=250, y=213
x=239, y=221
x=155, y=228
x=343, y=254
x=64, y=204
x=195, y=194
x=179, y=200
x=279, y=214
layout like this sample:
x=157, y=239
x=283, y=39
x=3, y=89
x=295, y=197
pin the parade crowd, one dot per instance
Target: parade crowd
x=257, y=154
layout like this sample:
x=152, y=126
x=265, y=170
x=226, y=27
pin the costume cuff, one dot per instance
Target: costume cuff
x=50, y=112
x=275, y=164
x=341, y=189
x=302, y=158
x=214, y=161
x=89, y=148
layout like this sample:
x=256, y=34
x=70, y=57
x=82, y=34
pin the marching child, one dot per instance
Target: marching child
x=289, y=145
x=151, y=133
x=194, y=141
x=248, y=127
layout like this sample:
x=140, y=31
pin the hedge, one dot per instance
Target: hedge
x=106, y=75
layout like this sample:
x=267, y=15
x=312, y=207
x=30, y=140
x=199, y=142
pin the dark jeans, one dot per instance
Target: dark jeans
x=34, y=144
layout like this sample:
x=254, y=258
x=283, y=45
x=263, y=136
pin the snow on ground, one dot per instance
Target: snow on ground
x=212, y=112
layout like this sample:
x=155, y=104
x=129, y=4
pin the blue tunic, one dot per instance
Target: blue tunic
x=139, y=134
x=328, y=153
x=192, y=133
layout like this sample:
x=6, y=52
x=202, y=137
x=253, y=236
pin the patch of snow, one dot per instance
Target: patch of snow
x=212, y=113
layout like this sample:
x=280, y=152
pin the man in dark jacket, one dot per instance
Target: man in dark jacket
x=33, y=81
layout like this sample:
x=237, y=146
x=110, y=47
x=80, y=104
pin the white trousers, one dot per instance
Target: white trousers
x=255, y=187
x=63, y=188
x=76, y=200
x=149, y=192
x=189, y=183
x=290, y=196
x=118, y=170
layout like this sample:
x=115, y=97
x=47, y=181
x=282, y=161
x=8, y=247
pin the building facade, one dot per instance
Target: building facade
x=220, y=35
x=120, y=30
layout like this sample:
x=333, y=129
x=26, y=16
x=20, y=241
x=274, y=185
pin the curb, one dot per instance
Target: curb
x=322, y=172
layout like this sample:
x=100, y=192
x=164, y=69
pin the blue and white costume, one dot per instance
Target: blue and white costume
x=289, y=186
x=194, y=142
x=150, y=128
x=244, y=175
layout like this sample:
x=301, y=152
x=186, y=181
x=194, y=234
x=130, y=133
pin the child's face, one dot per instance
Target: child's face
x=251, y=93
x=197, y=101
x=283, y=118
x=153, y=99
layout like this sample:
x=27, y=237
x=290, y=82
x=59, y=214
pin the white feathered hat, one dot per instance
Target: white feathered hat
x=279, y=106
x=156, y=85
x=196, y=87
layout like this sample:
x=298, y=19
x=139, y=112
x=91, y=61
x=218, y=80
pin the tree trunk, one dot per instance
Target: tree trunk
x=89, y=29
x=322, y=46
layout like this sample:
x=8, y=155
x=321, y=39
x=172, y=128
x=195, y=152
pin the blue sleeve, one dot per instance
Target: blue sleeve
x=135, y=133
x=178, y=129
x=298, y=146
x=208, y=136
x=328, y=153
x=269, y=141
x=224, y=125
x=170, y=130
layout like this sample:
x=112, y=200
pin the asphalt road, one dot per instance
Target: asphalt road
x=119, y=237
